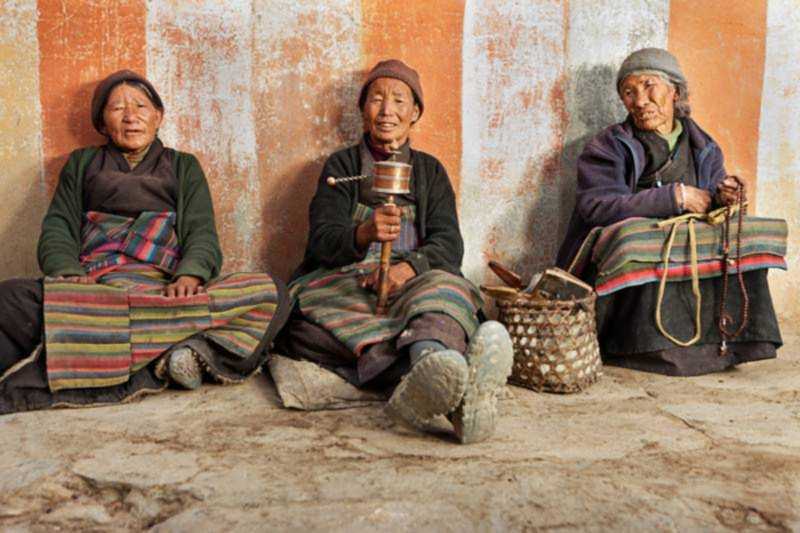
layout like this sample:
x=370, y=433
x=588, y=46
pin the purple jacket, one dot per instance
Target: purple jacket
x=608, y=170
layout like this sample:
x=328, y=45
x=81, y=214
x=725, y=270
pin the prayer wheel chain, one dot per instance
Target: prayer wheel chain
x=724, y=318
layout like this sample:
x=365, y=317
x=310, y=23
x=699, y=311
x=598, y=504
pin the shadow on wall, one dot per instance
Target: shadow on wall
x=592, y=106
x=595, y=106
x=335, y=124
x=286, y=240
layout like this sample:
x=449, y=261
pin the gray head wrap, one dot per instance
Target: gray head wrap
x=659, y=60
x=651, y=59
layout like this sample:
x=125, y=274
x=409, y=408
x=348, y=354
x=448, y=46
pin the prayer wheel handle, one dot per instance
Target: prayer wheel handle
x=383, y=272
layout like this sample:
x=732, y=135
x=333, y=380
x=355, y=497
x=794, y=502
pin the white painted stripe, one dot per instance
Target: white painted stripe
x=22, y=186
x=199, y=57
x=778, y=181
x=601, y=35
x=513, y=68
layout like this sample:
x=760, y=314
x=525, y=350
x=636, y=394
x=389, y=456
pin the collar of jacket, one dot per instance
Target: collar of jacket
x=700, y=142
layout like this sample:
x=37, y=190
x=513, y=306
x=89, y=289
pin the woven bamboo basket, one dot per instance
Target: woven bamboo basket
x=555, y=342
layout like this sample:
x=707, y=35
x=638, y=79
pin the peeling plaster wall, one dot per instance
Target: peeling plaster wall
x=199, y=56
x=22, y=185
x=306, y=70
x=778, y=148
x=513, y=116
x=262, y=91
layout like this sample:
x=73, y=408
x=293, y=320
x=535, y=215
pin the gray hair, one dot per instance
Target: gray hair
x=682, y=107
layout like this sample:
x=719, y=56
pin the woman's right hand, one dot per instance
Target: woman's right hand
x=694, y=200
x=382, y=226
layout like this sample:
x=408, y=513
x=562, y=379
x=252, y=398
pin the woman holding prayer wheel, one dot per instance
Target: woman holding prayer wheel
x=429, y=338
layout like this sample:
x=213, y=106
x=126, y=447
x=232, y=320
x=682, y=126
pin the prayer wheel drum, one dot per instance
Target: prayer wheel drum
x=391, y=177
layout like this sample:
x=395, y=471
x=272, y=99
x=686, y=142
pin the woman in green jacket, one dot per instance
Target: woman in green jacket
x=132, y=297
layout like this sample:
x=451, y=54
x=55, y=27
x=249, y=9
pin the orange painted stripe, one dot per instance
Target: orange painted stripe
x=427, y=37
x=79, y=44
x=721, y=47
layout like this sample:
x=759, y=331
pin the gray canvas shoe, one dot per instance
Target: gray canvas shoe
x=184, y=368
x=490, y=356
x=433, y=386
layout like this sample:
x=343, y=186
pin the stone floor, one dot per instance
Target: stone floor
x=635, y=451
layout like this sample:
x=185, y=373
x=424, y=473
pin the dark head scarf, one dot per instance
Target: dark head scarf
x=394, y=68
x=105, y=87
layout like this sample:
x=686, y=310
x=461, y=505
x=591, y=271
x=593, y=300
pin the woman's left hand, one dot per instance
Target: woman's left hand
x=398, y=275
x=727, y=190
x=184, y=286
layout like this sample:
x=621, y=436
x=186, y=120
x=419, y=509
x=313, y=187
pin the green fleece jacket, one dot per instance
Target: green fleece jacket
x=60, y=242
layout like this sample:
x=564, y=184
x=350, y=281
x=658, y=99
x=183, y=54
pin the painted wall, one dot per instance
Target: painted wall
x=263, y=90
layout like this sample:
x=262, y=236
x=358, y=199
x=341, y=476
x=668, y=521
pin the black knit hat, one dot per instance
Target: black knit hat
x=394, y=68
x=105, y=87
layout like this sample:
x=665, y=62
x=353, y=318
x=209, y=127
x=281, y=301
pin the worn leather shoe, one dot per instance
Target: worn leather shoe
x=490, y=356
x=184, y=368
x=434, y=386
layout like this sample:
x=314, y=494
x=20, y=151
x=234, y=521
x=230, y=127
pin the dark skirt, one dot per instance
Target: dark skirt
x=383, y=364
x=629, y=337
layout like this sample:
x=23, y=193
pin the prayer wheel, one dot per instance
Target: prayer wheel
x=389, y=178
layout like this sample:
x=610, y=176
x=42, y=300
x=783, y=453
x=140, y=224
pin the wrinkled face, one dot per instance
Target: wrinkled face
x=650, y=100
x=130, y=118
x=389, y=111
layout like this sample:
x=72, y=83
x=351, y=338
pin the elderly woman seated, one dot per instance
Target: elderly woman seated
x=131, y=297
x=659, y=163
x=433, y=312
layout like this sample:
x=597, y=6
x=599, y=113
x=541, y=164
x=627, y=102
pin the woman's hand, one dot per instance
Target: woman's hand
x=382, y=226
x=83, y=280
x=694, y=200
x=398, y=275
x=184, y=286
x=727, y=191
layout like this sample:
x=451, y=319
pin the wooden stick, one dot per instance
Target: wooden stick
x=510, y=278
x=383, y=272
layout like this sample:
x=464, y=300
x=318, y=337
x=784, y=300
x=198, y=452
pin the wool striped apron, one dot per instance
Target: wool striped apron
x=630, y=253
x=334, y=299
x=97, y=335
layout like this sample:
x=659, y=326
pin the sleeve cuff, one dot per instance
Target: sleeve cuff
x=192, y=268
x=359, y=255
x=676, y=208
x=67, y=271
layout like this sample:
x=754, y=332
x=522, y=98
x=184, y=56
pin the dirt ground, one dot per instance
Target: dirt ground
x=633, y=452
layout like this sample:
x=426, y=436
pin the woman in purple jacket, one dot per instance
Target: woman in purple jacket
x=659, y=163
